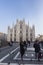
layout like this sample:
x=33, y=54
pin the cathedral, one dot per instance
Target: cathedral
x=21, y=31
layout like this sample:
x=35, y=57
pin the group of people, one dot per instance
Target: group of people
x=36, y=45
x=10, y=43
x=23, y=47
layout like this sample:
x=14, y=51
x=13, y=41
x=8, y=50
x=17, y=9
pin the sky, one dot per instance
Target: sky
x=30, y=10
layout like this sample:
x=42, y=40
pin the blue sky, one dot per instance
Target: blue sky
x=31, y=10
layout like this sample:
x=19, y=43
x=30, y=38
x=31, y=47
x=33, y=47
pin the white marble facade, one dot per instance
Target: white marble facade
x=21, y=31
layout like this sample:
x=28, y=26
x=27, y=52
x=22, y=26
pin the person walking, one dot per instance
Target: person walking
x=37, y=49
x=22, y=49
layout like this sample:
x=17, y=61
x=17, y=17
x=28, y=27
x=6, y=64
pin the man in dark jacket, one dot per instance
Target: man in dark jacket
x=22, y=49
x=37, y=48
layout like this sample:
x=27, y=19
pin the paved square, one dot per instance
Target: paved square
x=29, y=55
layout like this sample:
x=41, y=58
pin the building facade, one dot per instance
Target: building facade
x=21, y=31
x=3, y=39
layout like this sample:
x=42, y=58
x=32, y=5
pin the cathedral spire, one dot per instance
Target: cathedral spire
x=13, y=23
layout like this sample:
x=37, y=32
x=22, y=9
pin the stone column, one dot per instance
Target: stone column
x=13, y=32
x=17, y=31
x=33, y=33
x=28, y=32
x=24, y=30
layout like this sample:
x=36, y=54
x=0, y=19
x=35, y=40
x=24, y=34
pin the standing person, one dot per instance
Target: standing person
x=28, y=42
x=37, y=49
x=22, y=49
x=9, y=43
